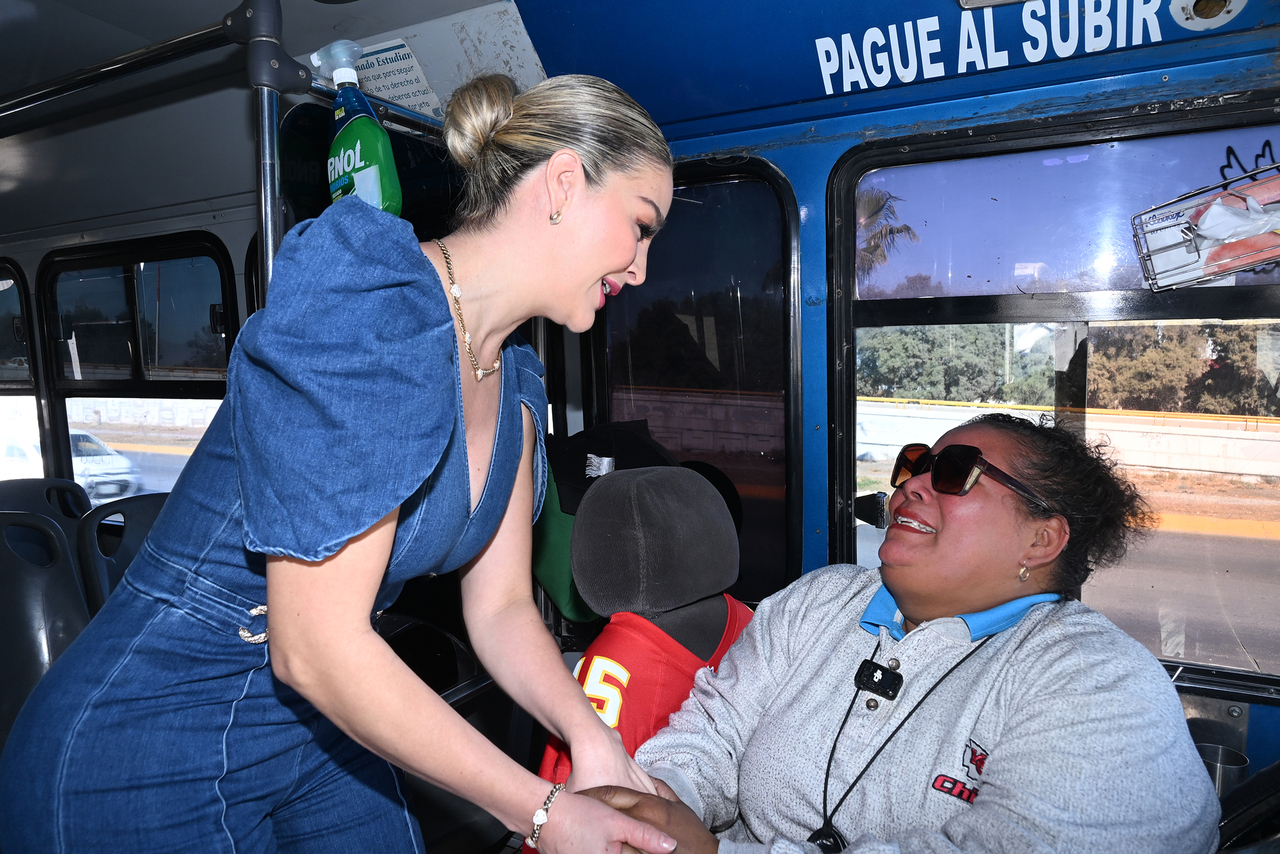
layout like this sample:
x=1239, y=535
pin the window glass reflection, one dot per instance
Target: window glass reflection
x=1036, y=221
x=97, y=325
x=151, y=320
x=15, y=363
x=700, y=351
x=173, y=305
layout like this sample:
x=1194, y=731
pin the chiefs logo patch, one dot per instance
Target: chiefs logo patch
x=975, y=759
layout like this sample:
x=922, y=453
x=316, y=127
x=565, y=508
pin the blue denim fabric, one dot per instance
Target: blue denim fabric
x=160, y=729
x=357, y=343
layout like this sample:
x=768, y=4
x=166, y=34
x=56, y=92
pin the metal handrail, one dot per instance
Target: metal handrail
x=179, y=47
x=389, y=112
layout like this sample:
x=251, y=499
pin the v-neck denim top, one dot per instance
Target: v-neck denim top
x=344, y=402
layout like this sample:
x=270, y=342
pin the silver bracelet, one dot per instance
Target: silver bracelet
x=540, y=817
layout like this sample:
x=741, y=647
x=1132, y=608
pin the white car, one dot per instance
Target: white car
x=105, y=474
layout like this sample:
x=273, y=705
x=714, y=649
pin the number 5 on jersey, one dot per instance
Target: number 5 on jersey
x=605, y=696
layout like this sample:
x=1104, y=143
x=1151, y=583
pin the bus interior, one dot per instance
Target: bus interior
x=888, y=218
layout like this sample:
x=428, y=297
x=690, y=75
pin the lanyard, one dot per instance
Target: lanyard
x=826, y=837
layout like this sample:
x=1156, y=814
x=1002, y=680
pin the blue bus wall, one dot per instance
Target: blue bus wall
x=742, y=79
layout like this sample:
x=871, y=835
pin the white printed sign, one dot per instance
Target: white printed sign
x=928, y=48
x=391, y=72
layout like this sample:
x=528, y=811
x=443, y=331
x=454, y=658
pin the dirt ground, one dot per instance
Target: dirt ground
x=149, y=434
x=1216, y=497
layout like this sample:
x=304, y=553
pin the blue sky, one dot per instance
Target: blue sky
x=993, y=224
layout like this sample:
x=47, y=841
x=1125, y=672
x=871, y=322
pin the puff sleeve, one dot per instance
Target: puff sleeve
x=342, y=387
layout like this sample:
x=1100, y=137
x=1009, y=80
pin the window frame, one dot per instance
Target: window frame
x=596, y=382
x=28, y=386
x=54, y=390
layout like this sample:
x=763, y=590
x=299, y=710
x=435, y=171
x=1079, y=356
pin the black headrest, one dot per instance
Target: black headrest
x=649, y=540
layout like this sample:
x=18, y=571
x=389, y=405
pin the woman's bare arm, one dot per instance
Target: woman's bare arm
x=323, y=645
x=507, y=632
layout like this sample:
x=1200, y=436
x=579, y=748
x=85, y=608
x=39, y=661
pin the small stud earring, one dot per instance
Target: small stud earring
x=555, y=218
x=1024, y=573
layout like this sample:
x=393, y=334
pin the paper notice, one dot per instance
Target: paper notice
x=391, y=71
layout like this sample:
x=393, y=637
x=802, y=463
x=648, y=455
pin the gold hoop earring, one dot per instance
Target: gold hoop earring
x=555, y=218
x=1024, y=574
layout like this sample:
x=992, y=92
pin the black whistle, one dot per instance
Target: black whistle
x=878, y=679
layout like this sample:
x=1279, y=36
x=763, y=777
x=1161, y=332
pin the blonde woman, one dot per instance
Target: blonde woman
x=380, y=423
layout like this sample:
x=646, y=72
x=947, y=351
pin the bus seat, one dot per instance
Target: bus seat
x=1251, y=813
x=659, y=542
x=106, y=550
x=574, y=463
x=654, y=548
x=450, y=824
x=63, y=501
x=42, y=606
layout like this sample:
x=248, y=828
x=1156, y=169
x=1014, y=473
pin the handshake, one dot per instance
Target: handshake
x=663, y=811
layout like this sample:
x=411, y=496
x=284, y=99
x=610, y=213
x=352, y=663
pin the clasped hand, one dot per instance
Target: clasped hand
x=664, y=811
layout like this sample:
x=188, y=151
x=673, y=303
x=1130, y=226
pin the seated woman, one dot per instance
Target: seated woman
x=957, y=699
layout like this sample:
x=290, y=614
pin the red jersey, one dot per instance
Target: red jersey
x=637, y=675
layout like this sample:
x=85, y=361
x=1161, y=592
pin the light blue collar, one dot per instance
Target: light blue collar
x=882, y=610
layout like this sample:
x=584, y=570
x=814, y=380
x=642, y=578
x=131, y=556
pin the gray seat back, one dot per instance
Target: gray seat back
x=106, y=550
x=42, y=607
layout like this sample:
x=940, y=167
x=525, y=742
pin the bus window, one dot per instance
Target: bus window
x=1189, y=408
x=701, y=352
x=915, y=383
x=141, y=362
x=121, y=446
x=161, y=313
x=18, y=427
x=1187, y=402
x=15, y=365
x=1041, y=221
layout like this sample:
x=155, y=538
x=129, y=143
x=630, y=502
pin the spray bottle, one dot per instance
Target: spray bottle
x=360, y=158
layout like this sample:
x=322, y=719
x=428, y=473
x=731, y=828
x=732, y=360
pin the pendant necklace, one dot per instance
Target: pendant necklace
x=871, y=676
x=454, y=292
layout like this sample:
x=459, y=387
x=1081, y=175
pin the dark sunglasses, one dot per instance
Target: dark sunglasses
x=955, y=469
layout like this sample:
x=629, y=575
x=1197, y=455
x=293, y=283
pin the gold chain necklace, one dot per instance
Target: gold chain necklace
x=481, y=373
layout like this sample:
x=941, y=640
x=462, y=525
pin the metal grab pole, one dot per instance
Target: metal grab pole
x=258, y=23
x=269, y=213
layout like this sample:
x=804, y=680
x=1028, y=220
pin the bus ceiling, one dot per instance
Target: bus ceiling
x=480, y=31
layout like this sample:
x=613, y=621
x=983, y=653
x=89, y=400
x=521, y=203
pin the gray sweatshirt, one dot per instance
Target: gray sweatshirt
x=1061, y=734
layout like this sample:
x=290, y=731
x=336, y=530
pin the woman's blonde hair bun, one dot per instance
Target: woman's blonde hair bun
x=476, y=112
x=498, y=135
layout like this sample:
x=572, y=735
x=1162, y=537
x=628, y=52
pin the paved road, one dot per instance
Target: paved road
x=159, y=471
x=1207, y=599
x=1195, y=597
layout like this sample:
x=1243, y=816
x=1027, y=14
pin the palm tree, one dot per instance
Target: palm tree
x=877, y=229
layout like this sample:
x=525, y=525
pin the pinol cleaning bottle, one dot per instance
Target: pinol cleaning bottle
x=360, y=158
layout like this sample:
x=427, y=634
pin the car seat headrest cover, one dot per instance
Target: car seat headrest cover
x=649, y=540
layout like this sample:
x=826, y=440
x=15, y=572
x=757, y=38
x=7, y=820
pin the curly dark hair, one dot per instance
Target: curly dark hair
x=1080, y=483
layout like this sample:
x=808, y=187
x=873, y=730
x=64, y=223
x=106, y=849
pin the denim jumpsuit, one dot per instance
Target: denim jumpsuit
x=162, y=727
